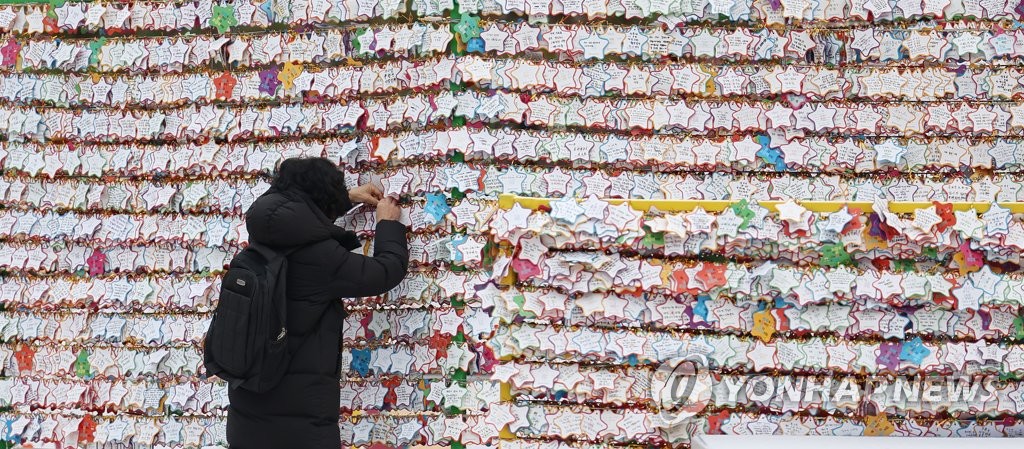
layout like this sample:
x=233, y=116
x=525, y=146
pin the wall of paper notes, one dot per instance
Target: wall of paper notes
x=136, y=134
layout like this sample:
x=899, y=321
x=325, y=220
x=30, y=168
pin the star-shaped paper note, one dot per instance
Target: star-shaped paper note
x=878, y=425
x=223, y=18
x=925, y=219
x=594, y=47
x=544, y=376
x=624, y=217
x=746, y=150
x=761, y=355
x=795, y=152
x=968, y=297
x=987, y=281
x=566, y=210
x=594, y=208
x=784, y=280
x=731, y=82
x=864, y=40
x=468, y=27
x=700, y=221
x=889, y=153
x=837, y=221
x=793, y=8
x=997, y=220
x=792, y=212
x=968, y=224
x=517, y=217
x=729, y=223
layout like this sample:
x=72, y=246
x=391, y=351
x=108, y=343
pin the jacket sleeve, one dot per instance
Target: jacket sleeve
x=355, y=275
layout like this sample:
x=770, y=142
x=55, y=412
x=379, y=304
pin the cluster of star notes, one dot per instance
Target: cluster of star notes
x=135, y=135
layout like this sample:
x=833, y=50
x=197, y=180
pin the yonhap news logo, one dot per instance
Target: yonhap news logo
x=681, y=388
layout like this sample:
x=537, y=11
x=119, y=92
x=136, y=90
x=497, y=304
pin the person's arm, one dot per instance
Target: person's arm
x=355, y=275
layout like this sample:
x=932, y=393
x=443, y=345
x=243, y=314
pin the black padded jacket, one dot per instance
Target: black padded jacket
x=302, y=412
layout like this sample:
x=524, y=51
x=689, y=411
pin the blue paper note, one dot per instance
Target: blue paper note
x=361, y=361
x=436, y=207
x=914, y=351
x=457, y=255
x=701, y=309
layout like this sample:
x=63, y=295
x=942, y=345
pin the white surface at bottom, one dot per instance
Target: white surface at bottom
x=830, y=442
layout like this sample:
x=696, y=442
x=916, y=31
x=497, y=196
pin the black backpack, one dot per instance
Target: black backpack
x=247, y=342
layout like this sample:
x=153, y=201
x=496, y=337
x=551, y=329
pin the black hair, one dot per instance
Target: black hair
x=319, y=179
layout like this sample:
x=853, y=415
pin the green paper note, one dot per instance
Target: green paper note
x=834, y=255
x=82, y=367
x=223, y=17
x=653, y=239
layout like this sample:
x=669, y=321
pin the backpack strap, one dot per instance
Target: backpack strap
x=270, y=254
x=265, y=251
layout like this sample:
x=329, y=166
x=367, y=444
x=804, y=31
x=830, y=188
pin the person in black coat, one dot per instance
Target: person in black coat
x=299, y=210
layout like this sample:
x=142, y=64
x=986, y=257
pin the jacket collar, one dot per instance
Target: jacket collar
x=285, y=219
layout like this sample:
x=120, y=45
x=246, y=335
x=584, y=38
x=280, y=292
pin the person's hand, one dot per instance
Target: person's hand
x=388, y=209
x=366, y=194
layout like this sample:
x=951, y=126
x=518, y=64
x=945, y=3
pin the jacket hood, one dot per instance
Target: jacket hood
x=286, y=219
